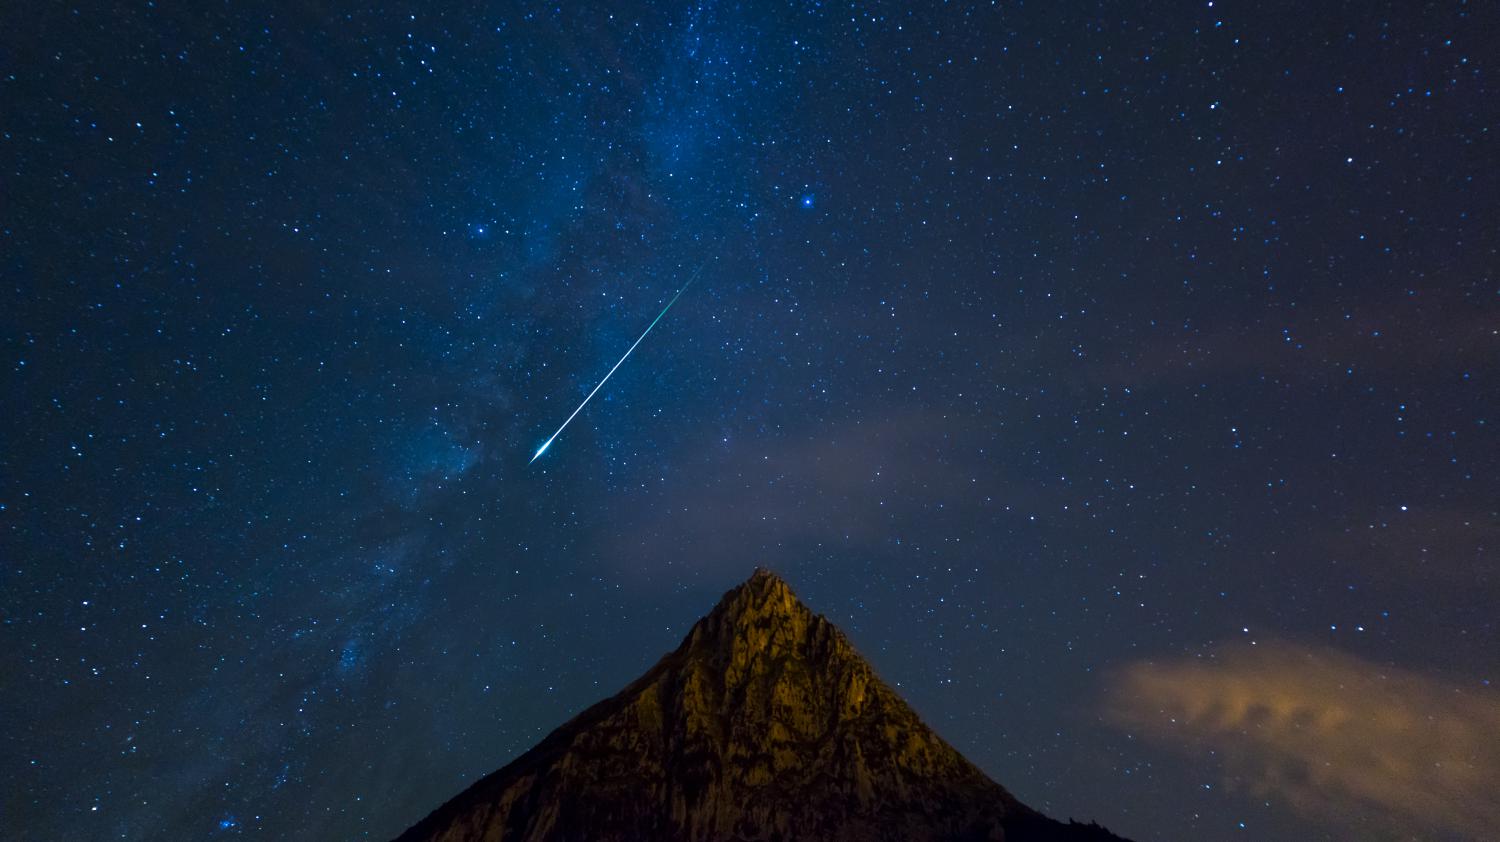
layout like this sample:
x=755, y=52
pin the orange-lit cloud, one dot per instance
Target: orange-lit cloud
x=1340, y=739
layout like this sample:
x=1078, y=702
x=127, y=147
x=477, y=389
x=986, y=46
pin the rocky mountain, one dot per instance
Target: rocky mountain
x=764, y=724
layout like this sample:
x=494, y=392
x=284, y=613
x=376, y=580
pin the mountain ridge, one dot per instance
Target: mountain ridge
x=763, y=724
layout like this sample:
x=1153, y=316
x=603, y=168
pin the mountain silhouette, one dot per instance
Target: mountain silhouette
x=765, y=724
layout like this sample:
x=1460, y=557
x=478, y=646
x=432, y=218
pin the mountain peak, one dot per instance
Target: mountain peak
x=763, y=574
x=769, y=590
x=765, y=723
x=764, y=596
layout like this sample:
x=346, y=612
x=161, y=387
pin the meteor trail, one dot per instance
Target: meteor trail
x=548, y=443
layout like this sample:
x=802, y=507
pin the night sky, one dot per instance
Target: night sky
x=1121, y=377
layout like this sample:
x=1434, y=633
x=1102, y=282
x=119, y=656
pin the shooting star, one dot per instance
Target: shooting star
x=548, y=443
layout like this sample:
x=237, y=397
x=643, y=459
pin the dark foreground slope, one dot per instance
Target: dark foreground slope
x=764, y=724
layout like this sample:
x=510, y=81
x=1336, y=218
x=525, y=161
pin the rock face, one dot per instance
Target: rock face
x=764, y=724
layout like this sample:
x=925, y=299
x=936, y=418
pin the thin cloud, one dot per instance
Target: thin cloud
x=859, y=486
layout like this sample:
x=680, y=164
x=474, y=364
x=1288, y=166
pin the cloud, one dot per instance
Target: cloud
x=1337, y=738
x=1307, y=343
x=856, y=485
x=1433, y=547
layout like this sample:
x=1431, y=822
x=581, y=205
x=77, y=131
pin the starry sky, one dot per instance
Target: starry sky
x=1121, y=377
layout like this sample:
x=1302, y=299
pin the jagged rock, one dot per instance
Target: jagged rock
x=764, y=724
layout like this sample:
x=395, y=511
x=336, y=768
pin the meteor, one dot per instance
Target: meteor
x=548, y=443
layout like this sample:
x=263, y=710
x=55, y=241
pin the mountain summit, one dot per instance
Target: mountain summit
x=764, y=724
